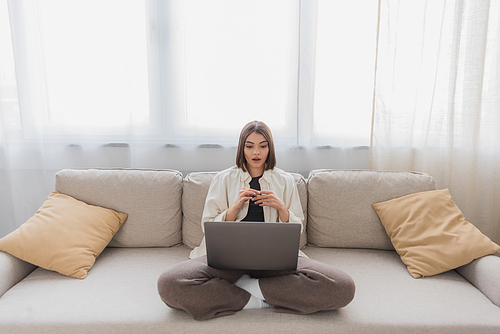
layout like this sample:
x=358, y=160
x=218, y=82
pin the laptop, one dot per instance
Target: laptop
x=252, y=245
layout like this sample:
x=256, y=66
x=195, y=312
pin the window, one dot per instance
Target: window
x=89, y=70
x=345, y=69
x=196, y=71
x=235, y=62
x=103, y=66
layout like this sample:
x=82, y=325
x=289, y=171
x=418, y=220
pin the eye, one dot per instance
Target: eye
x=263, y=146
x=248, y=146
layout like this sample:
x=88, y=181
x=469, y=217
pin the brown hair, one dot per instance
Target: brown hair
x=263, y=129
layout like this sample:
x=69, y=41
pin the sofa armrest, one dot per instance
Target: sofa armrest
x=484, y=274
x=12, y=270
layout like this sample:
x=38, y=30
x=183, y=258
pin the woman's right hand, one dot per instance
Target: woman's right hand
x=244, y=195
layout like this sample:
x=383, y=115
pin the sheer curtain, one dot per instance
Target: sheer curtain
x=169, y=84
x=438, y=97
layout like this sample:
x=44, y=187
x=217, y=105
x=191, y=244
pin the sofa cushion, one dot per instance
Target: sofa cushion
x=120, y=296
x=340, y=212
x=65, y=235
x=151, y=198
x=388, y=300
x=431, y=234
x=193, y=201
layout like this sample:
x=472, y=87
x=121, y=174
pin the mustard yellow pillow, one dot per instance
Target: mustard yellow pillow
x=65, y=235
x=430, y=233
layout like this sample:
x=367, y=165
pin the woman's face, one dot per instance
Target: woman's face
x=256, y=151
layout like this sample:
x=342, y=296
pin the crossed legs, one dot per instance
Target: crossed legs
x=205, y=292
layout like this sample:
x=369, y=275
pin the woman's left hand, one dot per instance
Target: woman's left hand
x=268, y=198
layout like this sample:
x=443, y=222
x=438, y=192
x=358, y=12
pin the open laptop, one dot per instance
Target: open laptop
x=252, y=245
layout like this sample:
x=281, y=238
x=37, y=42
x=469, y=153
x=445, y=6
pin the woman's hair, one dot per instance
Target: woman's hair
x=263, y=129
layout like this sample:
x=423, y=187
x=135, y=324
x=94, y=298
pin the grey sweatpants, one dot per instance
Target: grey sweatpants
x=205, y=292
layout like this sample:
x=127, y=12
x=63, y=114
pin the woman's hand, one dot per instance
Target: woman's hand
x=268, y=198
x=244, y=195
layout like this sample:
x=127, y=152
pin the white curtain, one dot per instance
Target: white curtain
x=169, y=84
x=437, y=100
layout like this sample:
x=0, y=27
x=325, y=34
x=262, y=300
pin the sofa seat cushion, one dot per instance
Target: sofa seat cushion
x=388, y=298
x=120, y=296
x=120, y=291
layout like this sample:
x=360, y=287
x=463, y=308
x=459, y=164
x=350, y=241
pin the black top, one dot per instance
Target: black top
x=255, y=211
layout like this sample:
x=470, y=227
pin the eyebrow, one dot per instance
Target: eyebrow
x=251, y=142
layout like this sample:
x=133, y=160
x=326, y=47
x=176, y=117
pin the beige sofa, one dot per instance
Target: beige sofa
x=119, y=295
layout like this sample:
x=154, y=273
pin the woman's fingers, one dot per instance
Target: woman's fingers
x=268, y=198
x=244, y=195
x=248, y=192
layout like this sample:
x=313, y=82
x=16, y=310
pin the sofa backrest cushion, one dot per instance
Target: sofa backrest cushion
x=151, y=198
x=195, y=189
x=340, y=212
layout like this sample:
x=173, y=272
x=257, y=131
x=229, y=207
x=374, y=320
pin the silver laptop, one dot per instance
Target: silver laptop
x=252, y=245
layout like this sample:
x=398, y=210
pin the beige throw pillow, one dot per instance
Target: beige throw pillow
x=65, y=235
x=430, y=233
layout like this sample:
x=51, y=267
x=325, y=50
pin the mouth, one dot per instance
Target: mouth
x=256, y=160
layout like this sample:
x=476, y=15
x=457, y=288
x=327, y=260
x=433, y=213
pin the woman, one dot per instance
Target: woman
x=253, y=190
